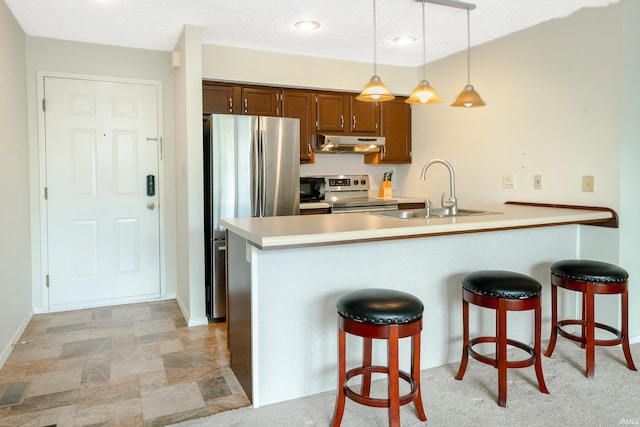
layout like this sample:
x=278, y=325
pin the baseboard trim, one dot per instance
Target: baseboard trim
x=16, y=336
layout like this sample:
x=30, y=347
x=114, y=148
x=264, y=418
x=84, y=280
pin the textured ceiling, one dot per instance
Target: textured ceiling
x=346, y=32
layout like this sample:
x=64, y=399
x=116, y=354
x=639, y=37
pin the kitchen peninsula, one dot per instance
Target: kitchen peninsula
x=286, y=273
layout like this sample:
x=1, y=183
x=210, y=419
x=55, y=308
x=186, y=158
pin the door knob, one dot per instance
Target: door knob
x=151, y=206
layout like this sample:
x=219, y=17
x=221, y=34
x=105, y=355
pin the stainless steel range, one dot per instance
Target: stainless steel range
x=350, y=193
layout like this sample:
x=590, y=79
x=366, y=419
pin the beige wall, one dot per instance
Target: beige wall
x=15, y=271
x=247, y=65
x=82, y=58
x=553, y=108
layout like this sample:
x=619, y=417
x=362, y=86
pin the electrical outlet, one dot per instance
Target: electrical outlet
x=508, y=181
x=537, y=182
x=588, y=182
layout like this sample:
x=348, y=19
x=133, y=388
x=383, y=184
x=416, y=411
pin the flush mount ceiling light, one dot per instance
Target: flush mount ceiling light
x=375, y=90
x=306, y=25
x=468, y=97
x=423, y=93
x=405, y=40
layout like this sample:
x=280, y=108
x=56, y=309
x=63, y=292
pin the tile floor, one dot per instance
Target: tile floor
x=127, y=365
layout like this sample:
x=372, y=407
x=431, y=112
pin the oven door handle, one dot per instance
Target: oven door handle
x=364, y=209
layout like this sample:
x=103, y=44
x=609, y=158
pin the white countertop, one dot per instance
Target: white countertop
x=312, y=230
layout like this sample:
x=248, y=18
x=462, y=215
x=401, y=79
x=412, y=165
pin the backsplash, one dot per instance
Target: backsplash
x=351, y=164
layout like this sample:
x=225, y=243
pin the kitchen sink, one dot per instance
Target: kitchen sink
x=433, y=213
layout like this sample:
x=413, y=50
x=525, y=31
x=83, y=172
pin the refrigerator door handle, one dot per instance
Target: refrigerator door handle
x=255, y=175
x=263, y=175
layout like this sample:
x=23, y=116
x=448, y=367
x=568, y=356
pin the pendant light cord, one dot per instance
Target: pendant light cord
x=424, y=45
x=468, y=47
x=375, y=60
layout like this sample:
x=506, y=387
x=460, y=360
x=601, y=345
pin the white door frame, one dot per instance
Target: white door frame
x=40, y=251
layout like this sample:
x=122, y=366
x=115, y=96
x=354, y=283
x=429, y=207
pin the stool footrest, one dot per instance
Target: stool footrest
x=493, y=362
x=581, y=339
x=375, y=402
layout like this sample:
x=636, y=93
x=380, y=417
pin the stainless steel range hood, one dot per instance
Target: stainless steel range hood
x=348, y=144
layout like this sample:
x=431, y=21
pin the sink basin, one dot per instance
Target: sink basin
x=434, y=213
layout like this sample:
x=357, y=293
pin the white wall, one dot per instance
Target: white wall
x=629, y=158
x=83, y=58
x=15, y=256
x=189, y=163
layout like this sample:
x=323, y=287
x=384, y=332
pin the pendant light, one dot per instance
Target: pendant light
x=423, y=93
x=468, y=97
x=375, y=90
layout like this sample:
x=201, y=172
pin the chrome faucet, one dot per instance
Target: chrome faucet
x=452, y=204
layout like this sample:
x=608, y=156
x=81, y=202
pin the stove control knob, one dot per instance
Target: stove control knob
x=363, y=182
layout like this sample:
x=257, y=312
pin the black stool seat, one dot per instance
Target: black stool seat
x=380, y=306
x=502, y=284
x=596, y=272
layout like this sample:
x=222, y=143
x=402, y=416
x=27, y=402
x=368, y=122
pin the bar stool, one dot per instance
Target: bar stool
x=590, y=278
x=381, y=314
x=502, y=291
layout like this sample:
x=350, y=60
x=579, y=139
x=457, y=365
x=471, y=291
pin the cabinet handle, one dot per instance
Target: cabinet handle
x=245, y=105
x=341, y=121
x=308, y=149
x=231, y=105
x=277, y=111
x=353, y=120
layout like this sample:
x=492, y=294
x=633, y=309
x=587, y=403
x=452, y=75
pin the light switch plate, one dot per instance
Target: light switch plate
x=588, y=182
x=508, y=181
x=537, y=182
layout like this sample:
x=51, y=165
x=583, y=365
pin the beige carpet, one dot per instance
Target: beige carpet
x=612, y=398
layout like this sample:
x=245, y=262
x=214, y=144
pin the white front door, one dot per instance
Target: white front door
x=102, y=215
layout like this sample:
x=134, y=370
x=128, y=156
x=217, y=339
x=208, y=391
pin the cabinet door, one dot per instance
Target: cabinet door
x=331, y=109
x=261, y=101
x=396, y=128
x=220, y=99
x=365, y=116
x=300, y=104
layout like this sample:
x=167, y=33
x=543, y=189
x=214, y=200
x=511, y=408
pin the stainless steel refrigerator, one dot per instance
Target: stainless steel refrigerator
x=252, y=169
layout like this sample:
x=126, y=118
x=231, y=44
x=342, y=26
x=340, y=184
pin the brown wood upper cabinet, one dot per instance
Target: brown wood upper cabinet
x=342, y=113
x=396, y=128
x=300, y=104
x=220, y=99
x=319, y=112
x=261, y=101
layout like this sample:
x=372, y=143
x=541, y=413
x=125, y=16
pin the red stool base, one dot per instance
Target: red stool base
x=391, y=333
x=501, y=306
x=588, y=324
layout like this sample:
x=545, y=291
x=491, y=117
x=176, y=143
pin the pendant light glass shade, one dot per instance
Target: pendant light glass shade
x=375, y=90
x=468, y=97
x=423, y=93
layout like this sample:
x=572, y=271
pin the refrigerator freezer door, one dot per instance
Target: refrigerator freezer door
x=280, y=166
x=230, y=171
